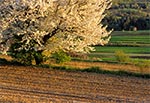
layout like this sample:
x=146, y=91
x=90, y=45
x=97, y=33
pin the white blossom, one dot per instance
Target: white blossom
x=72, y=25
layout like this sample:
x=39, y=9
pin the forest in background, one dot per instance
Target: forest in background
x=128, y=15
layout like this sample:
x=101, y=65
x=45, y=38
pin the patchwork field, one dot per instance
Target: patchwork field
x=39, y=85
x=118, y=72
x=30, y=84
x=136, y=44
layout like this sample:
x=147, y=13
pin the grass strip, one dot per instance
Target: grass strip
x=99, y=71
x=90, y=70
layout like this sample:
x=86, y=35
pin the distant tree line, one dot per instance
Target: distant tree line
x=128, y=16
x=143, y=5
x=128, y=23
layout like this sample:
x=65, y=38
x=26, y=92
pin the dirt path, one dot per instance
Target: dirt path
x=39, y=85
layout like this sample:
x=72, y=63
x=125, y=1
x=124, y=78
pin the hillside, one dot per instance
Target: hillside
x=129, y=15
x=39, y=85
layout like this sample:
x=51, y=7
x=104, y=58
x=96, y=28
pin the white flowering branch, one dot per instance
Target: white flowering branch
x=70, y=25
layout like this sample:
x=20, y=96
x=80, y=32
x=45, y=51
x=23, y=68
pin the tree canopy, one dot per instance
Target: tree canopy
x=52, y=25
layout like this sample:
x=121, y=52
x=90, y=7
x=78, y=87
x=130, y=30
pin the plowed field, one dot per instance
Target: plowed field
x=38, y=85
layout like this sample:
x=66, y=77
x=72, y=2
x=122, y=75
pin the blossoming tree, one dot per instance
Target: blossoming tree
x=28, y=27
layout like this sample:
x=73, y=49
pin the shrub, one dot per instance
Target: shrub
x=92, y=69
x=78, y=55
x=144, y=66
x=25, y=57
x=122, y=57
x=61, y=57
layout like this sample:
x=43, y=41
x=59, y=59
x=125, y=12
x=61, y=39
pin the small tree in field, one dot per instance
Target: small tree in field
x=31, y=28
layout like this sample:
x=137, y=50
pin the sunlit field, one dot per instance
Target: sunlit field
x=74, y=51
x=136, y=44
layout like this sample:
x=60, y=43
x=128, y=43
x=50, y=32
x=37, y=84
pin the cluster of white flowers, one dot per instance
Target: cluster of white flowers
x=71, y=25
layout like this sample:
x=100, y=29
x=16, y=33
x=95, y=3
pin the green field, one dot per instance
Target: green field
x=143, y=39
x=133, y=43
x=113, y=49
x=132, y=33
x=131, y=39
x=127, y=41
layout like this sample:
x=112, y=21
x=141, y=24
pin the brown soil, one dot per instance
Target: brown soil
x=38, y=85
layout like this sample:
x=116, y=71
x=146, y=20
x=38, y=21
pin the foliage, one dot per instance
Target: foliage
x=128, y=15
x=27, y=57
x=3, y=61
x=122, y=57
x=61, y=57
x=24, y=56
x=51, y=25
x=143, y=64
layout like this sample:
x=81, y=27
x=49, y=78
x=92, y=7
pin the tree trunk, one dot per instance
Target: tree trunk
x=38, y=58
